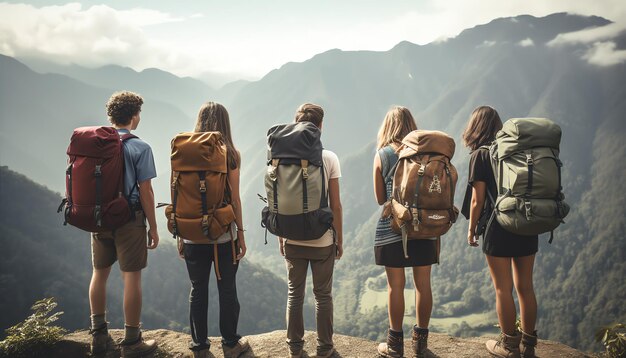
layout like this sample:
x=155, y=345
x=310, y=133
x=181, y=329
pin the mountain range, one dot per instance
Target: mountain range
x=509, y=63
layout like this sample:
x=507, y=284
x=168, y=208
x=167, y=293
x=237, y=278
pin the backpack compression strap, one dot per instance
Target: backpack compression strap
x=175, y=175
x=305, y=176
x=97, y=211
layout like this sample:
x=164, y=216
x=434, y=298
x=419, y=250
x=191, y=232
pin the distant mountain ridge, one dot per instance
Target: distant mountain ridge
x=579, y=278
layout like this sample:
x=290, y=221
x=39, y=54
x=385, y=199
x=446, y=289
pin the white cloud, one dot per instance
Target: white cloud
x=588, y=35
x=486, y=44
x=526, y=42
x=94, y=36
x=605, y=54
x=234, y=38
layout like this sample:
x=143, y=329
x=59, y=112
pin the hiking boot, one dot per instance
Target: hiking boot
x=394, y=348
x=505, y=347
x=139, y=348
x=529, y=342
x=101, y=340
x=295, y=354
x=203, y=353
x=236, y=350
x=327, y=354
x=419, y=341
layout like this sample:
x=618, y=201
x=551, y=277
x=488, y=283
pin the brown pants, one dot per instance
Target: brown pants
x=322, y=260
x=126, y=244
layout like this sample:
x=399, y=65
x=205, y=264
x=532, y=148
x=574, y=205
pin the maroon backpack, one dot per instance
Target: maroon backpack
x=94, y=198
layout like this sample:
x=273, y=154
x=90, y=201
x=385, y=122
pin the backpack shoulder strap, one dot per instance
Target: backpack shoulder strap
x=127, y=136
x=389, y=161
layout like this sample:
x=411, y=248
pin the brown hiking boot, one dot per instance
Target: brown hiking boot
x=506, y=347
x=139, y=348
x=101, y=342
x=236, y=350
x=529, y=342
x=419, y=342
x=328, y=354
x=204, y=353
x=393, y=348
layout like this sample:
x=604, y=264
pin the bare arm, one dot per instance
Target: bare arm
x=335, y=206
x=146, y=197
x=233, y=179
x=379, y=182
x=479, y=189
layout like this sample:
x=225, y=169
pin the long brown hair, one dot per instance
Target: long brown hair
x=398, y=123
x=482, y=127
x=213, y=117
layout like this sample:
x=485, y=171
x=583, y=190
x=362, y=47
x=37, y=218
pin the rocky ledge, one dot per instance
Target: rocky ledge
x=272, y=344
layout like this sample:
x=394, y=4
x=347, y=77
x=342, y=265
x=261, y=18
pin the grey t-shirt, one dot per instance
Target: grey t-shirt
x=138, y=165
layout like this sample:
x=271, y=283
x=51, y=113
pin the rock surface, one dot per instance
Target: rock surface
x=272, y=344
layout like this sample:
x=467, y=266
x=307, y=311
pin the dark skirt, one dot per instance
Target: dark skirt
x=501, y=243
x=421, y=253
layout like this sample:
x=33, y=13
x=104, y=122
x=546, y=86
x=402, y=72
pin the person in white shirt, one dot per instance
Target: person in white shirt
x=320, y=253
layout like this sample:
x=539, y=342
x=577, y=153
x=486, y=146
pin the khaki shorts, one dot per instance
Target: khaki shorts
x=126, y=244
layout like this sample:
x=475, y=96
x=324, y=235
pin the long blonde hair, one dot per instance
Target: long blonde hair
x=213, y=117
x=398, y=123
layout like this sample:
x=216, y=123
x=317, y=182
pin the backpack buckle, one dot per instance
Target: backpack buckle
x=529, y=159
x=416, y=219
x=98, y=172
x=205, y=225
x=271, y=172
x=528, y=208
x=420, y=171
x=305, y=173
x=202, y=186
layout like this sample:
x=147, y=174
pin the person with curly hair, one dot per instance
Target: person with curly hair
x=127, y=244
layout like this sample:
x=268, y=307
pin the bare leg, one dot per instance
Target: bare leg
x=523, y=278
x=132, y=298
x=423, y=295
x=500, y=268
x=395, y=290
x=98, y=290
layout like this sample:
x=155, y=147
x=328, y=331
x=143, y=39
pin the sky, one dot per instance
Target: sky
x=247, y=39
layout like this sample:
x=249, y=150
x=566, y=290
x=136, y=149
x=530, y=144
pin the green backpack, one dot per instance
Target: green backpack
x=527, y=169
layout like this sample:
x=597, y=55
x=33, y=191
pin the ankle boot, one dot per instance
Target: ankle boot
x=394, y=348
x=419, y=341
x=505, y=347
x=529, y=342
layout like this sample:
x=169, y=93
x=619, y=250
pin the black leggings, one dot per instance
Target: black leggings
x=199, y=259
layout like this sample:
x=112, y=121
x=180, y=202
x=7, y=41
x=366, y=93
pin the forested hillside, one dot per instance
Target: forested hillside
x=42, y=258
x=509, y=63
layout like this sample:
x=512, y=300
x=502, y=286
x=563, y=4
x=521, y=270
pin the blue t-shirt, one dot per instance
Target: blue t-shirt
x=138, y=165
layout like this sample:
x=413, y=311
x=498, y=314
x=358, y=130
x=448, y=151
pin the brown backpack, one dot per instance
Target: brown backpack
x=422, y=203
x=200, y=209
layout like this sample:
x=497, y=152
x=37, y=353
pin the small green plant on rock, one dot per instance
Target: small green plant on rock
x=614, y=339
x=35, y=334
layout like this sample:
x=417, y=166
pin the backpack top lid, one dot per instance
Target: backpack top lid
x=423, y=142
x=299, y=140
x=524, y=133
x=95, y=142
x=199, y=151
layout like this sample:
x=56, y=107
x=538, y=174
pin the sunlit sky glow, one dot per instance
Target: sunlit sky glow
x=247, y=39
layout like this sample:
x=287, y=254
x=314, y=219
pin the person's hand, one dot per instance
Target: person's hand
x=472, y=239
x=242, y=245
x=281, y=246
x=339, y=250
x=153, y=238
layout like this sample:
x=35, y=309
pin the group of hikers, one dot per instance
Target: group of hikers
x=109, y=194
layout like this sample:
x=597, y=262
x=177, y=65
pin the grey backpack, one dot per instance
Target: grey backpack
x=527, y=169
x=295, y=185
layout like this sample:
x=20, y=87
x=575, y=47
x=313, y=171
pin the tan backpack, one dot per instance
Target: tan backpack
x=200, y=209
x=422, y=203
